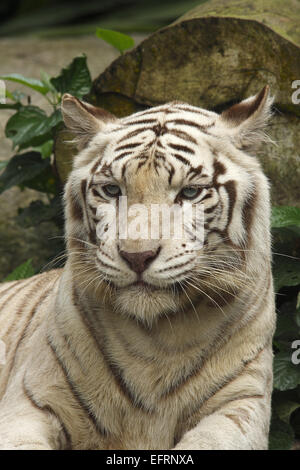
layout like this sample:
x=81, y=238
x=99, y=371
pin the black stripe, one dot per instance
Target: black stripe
x=22, y=285
x=141, y=121
x=47, y=409
x=186, y=122
x=128, y=146
x=156, y=166
x=209, y=209
x=98, y=426
x=219, y=169
x=206, y=196
x=142, y=162
x=182, y=135
x=75, y=207
x=174, y=267
x=136, y=355
x=13, y=283
x=40, y=300
x=115, y=370
x=83, y=189
x=106, y=254
x=181, y=159
x=124, y=166
x=18, y=312
x=159, y=144
x=160, y=156
x=171, y=171
x=91, y=229
x=98, y=160
x=108, y=266
x=132, y=134
x=96, y=165
x=181, y=148
x=124, y=154
x=237, y=398
x=231, y=191
x=106, y=170
x=68, y=345
x=226, y=380
x=97, y=194
x=195, y=170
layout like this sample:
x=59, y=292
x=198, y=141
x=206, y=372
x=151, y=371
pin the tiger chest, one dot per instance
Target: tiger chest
x=140, y=408
x=146, y=407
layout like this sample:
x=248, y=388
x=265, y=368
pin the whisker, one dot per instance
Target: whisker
x=205, y=293
x=184, y=290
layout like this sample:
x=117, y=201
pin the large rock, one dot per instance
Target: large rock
x=216, y=54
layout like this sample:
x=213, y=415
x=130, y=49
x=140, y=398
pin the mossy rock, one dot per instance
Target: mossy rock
x=218, y=53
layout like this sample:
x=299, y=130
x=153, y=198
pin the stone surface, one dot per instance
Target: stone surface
x=215, y=55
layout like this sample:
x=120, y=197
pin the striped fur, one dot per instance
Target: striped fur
x=184, y=361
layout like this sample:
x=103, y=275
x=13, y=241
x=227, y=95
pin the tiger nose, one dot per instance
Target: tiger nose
x=138, y=262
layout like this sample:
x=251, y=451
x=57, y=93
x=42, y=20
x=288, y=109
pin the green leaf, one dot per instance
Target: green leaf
x=286, y=272
x=285, y=326
x=120, y=41
x=286, y=374
x=10, y=106
x=9, y=95
x=46, y=80
x=281, y=435
x=28, y=123
x=284, y=404
x=39, y=212
x=45, y=182
x=285, y=216
x=22, y=168
x=74, y=79
x=45, y=149
x=295, y=422
x=3, y=164
x=33, y=83
x=297, y=318
x=21, y=272
x=24, y=123
x=285, y=409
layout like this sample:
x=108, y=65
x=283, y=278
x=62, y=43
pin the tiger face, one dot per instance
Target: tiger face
x=171, y=156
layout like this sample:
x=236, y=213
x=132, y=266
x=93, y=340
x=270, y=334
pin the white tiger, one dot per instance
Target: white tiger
x=149, y=343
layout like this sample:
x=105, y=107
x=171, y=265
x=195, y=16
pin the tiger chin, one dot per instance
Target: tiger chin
x=143, y=341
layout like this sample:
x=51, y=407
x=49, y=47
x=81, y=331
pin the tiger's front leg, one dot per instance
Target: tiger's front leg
x=235, y=427
x=23, y=426
x=242, y=419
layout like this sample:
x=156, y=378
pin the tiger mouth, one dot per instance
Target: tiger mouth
x=173, y=287
x=145, y=285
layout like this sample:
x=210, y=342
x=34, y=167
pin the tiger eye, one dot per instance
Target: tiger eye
x=189, y=192
x=112, y=190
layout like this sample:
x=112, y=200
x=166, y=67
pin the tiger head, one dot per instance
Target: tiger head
x=173, y=155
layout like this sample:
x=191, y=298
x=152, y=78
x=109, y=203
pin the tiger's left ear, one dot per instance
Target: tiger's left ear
x=83, y=119
x=246, y=121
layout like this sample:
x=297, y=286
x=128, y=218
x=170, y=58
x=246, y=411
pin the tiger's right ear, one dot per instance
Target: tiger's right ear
x=83, y=119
